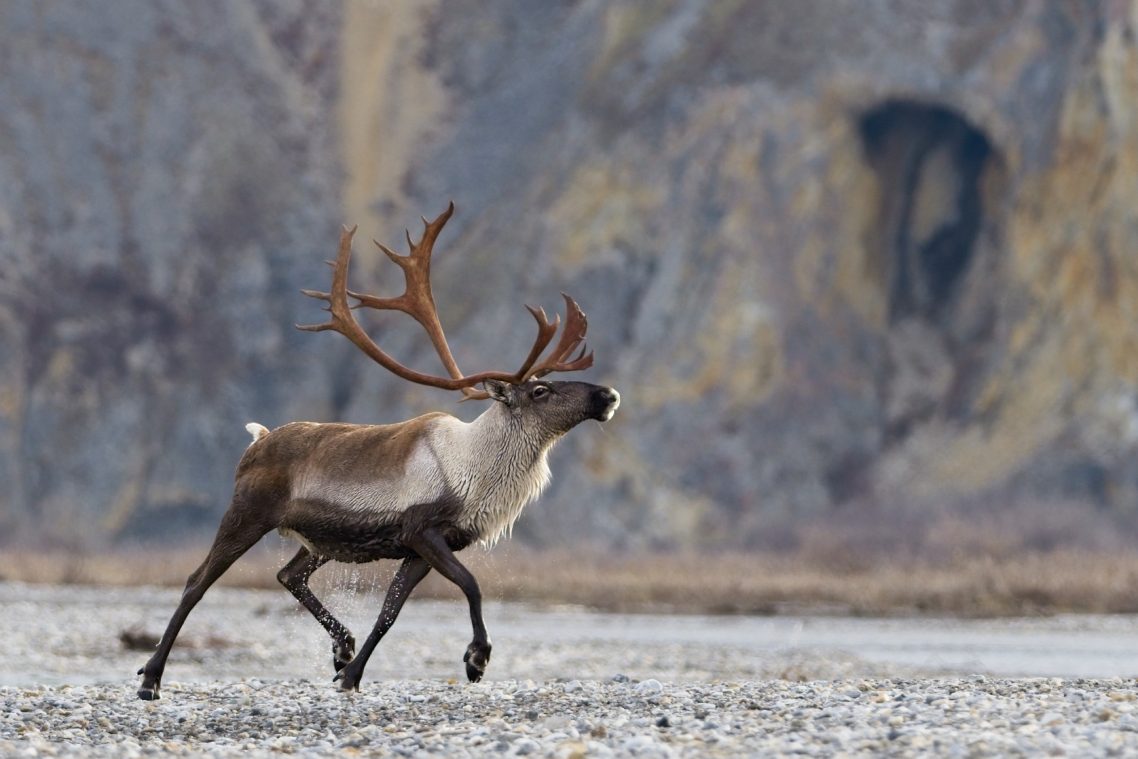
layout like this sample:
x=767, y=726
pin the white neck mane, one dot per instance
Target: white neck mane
x=494, y=467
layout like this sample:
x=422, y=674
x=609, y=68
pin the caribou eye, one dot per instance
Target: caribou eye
x=540, y=391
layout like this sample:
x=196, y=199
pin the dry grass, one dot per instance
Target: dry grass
x=736, y=583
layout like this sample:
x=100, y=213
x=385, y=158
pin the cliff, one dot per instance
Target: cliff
x=853, y=266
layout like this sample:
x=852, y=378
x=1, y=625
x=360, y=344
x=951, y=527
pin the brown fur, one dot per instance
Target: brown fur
x=351, y=451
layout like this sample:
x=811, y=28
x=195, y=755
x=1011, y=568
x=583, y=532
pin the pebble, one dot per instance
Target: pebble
x=649, y=687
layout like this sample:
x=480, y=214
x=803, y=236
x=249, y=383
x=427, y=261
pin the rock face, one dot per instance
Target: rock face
x=167, y=174
x=856, y=267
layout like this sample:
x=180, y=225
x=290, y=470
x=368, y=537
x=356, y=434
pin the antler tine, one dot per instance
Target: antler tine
x=431, y=230
x=545, y=332
x=395, y=257
x=339, y=276
x=582, y=362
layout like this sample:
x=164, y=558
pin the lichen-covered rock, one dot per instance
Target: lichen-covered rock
x=848, y=263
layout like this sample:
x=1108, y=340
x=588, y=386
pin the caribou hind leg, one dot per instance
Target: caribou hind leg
x=294, y=576
x=409, y=574
x=236, y=535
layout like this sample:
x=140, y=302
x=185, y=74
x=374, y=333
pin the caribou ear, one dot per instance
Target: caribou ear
x=503, y=392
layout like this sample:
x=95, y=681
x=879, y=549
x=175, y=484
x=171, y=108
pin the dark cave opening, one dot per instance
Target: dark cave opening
x=929, y=162
x=931, y=245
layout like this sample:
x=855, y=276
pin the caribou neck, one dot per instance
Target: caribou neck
x=499, y=434
x=503, y=468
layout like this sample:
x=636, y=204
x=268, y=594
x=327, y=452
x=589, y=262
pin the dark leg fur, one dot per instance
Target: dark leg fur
x=432, y=546
x=294, y=576
x=409, y=574
x=234, y=537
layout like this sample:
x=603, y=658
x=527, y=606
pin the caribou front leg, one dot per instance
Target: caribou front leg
x=409, y=574
x=432, y=546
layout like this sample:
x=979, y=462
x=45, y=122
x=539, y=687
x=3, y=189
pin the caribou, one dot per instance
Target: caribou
x=418, y=490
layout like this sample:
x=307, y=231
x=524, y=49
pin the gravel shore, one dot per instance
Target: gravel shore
x=945, y=716
x=252, y=676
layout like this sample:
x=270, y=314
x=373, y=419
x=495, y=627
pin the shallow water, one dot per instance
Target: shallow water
x=1061, y=646
x=58, y=635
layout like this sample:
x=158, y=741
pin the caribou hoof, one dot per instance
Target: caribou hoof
x=149, y=694
x=149, y=689
x=348, y=677
x=476, y=658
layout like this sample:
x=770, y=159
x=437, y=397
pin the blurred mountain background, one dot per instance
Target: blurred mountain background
x=863, y=270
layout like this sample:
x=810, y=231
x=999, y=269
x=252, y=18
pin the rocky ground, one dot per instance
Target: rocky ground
x=252, y=676
x=946, y=716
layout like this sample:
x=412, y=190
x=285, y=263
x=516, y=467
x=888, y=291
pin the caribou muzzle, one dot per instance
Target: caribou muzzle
x=607, y=400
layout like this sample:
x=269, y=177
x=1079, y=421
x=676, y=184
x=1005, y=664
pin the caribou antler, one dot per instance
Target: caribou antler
x=418, y=302
x=572, y=336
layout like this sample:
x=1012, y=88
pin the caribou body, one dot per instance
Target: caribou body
x=418, y=490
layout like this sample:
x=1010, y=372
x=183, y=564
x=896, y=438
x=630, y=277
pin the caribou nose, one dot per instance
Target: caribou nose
x=612, y=399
